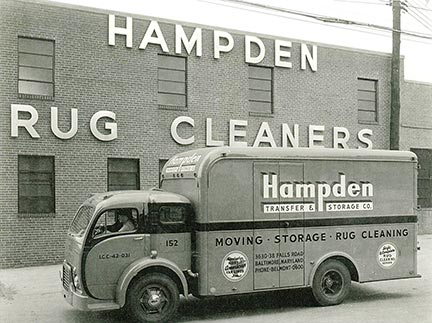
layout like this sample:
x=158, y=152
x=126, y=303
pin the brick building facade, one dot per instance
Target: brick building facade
x=416, y=135
x=59, y=56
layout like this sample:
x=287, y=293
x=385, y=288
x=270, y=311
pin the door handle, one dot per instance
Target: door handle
x=138, y=238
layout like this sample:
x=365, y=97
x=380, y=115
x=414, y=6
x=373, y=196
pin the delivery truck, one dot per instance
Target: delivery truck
x=230, y=221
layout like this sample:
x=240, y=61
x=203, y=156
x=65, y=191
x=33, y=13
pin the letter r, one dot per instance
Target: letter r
x=28, y=124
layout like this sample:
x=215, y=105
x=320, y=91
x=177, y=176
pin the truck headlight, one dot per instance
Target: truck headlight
x=75, y=281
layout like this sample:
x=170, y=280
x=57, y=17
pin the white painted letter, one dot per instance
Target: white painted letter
x=54, y=124
x=113, y=30
x=323, y=190
x=209, y=140
x=234, y=133
x=353, y=189
x=260, y=57
x=181, y=37
x=264, y=135
x=367, y=189
x=340, y=141
x=218, y=47
x=361, y=137
x=312, y=59
x=157, y=40
x=270, y=186
x=112, y=126
x=174, y=133
x=26, y=123
x=339, y=189
x=292, y=138
x=315, y=137
x=280, y=53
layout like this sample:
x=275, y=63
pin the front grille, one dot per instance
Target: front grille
x=67, y=275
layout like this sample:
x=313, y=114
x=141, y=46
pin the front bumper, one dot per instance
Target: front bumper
x=79, y=301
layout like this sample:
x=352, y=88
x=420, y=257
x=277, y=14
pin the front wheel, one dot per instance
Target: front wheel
x=153, y=298
x=331, y=283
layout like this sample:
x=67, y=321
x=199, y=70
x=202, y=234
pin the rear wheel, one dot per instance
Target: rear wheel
x=153, y=298
x=331, y=283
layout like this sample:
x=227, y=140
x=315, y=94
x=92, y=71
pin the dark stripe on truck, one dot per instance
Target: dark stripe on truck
x=307, y=223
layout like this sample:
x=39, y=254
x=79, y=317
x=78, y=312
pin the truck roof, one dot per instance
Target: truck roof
x=123, y=198
x=191, y=163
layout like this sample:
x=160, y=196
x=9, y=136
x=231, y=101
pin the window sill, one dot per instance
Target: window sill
x=172, y=107
x=35, y=97
x=36, y=215
x=261, y=114
x=369, y=122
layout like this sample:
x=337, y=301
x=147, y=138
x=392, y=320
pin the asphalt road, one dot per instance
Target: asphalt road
x=34, y=295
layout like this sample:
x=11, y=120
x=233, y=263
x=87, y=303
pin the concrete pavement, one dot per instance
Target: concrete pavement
x=34, y=295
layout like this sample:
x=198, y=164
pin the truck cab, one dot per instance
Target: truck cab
x=101, y=258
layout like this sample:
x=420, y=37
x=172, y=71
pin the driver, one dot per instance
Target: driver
x=124, y=222
x=127, y=222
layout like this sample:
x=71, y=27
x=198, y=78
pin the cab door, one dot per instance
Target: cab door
x=108, y=253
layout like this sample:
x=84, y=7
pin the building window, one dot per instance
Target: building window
x=36, y=184
x=367, y=101
x=424, y=179
x=172, y=81
x=162, y=163
x=260, y=89
x=35, y=68
x=123, y=174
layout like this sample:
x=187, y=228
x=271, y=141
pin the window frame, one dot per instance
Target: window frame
x=138, y=175
x=428, y=199
x=36, y=96
x=109, y=234
x=52, y=186
x=173, y=106
x=153, y=223
x=256, y=113
x=376, y=81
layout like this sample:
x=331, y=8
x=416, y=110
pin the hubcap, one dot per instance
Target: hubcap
x=153, y=300
x=332, y=283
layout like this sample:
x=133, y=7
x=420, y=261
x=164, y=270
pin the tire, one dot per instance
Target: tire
x=153, y=298
x=331, y=283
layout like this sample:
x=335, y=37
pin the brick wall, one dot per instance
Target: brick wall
x=91, y=76
x=416, y=129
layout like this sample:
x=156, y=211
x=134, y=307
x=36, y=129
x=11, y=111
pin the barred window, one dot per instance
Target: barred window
x=36, y=184
x=123, y=174
x=35, y=68
x=260, y=89
x=424, y=179
x=172, y=81
x=367, y=101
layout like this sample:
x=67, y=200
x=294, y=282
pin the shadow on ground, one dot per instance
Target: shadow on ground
x=245, y=305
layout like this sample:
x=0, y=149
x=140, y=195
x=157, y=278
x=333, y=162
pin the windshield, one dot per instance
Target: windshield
x=81, y=220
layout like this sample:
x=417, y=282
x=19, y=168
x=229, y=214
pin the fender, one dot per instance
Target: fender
x=134, y=268
x=327, y=256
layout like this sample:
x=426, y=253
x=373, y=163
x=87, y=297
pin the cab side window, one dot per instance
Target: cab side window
x=173, y=214
x=169, y=218
x=116, y=221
